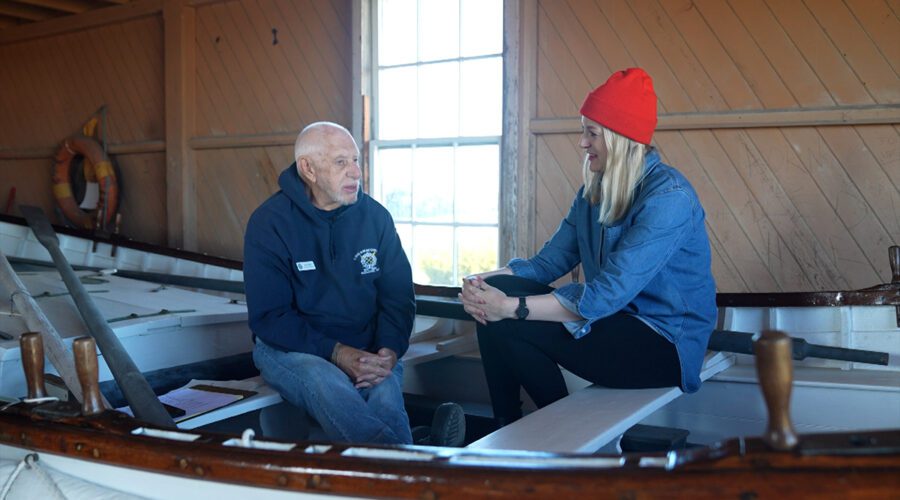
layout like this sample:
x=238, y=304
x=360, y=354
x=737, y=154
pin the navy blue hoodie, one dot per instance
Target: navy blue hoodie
x=314, y=278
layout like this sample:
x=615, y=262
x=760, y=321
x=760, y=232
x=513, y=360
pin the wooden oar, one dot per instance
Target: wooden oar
x=134, y=386
x=60, y=356
x=31, y=347
x=85, y=350
x=161, y=278
x=776, y=376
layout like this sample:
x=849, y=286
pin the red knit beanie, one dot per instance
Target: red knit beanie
x=626, y=104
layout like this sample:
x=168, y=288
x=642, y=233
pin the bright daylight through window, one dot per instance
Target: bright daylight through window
x=436, y=134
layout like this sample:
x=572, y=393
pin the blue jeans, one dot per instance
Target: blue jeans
x=347, y=414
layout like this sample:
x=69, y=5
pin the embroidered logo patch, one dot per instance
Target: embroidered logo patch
x=368, y=259
x=306, y=265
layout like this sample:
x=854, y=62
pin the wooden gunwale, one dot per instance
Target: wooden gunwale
x=884, y=295
x=888, y=294
x=734, y=468
x=122, y=241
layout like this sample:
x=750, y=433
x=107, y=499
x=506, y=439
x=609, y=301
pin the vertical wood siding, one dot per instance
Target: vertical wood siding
x=788, y=207
x=50, y=86
x=798, y=206
x=250, y=83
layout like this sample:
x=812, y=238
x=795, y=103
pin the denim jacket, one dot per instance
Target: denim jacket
x=653, y=263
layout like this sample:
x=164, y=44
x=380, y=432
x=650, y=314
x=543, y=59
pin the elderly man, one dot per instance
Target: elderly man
x=330, y=297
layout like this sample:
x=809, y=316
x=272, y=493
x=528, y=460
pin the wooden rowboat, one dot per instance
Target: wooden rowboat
x=853, y=399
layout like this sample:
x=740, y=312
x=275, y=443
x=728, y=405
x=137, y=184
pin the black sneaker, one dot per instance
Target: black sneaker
x=448, y=427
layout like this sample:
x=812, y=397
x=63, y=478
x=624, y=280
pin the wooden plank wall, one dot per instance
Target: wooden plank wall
x=804, y=198
x=253, y=89
x=251, y=81
x=791, y=204
x=52, y=85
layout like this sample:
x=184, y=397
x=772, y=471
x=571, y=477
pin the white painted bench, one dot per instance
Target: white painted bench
x=589, y=418
x=432, y=339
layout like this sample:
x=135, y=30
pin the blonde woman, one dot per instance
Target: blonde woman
x=645, y=312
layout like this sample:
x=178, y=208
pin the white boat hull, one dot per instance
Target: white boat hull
x=827, y=395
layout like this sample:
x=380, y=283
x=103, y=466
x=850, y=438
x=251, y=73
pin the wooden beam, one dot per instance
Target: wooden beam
x=70, y=6
x=361, y=85
x=526, y=168
x=199, y=3
x=510, y=140
x=360, y=43
x=179, y=26
x=125, y=148
x=844, y=115
x=78, y=22
x=26, y=11
x=243, y=141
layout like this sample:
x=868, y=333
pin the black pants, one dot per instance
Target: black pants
x=620, y=351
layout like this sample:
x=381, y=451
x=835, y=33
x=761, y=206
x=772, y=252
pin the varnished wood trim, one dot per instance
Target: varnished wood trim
x=122, y=241
x=883, y=295
x=848, y=115
x=725, y=470
x=87, y=20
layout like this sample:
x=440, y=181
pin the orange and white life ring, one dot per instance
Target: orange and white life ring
x=98, y=169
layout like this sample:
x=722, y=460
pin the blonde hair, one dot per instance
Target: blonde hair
x=613, y=187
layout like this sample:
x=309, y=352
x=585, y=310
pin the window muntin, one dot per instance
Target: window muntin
x=435, y=153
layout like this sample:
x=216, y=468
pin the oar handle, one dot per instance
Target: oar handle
x=775, y=372
x=134, y=386
x=85, y=350
x=32, y=348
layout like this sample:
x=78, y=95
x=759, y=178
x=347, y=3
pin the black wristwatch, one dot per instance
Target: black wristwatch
x=522, y=310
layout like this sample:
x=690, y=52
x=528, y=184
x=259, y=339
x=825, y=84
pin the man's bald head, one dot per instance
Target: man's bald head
x=328, y=164
x=314, y=139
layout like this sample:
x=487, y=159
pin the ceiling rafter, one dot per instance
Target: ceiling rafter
x=26, y=12
x=67, y=6
x=15, y=13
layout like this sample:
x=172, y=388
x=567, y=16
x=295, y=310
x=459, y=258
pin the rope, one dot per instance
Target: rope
x=247, y=438
x=12, y=477
x=30, y=461
x=45, y=399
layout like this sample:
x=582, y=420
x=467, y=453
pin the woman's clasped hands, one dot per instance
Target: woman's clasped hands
x=484, y=302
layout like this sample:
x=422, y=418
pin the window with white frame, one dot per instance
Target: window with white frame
x=437, y=119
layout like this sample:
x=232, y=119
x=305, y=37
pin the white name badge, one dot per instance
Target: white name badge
x=306, y=266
